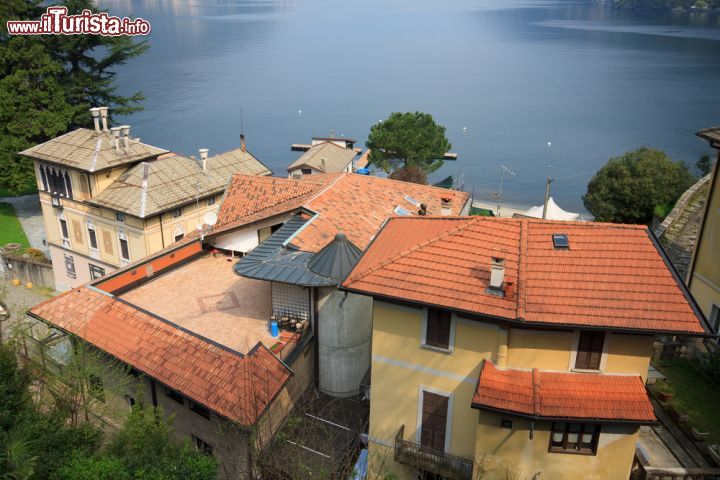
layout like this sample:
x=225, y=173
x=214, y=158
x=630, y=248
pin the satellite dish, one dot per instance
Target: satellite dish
x=210, y=218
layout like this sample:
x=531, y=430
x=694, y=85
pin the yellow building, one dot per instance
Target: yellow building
x=108, y=199
x=514, y=348
x=704, y=273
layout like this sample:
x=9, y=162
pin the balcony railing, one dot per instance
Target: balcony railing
x=431, y=460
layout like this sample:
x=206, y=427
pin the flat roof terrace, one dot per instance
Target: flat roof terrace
x=205, y=297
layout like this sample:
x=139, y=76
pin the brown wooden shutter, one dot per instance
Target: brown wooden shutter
x=589, y=352
x=438, y=328
x=434, y=421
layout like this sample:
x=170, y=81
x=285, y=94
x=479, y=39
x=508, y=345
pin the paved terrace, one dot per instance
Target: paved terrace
x=206, y=297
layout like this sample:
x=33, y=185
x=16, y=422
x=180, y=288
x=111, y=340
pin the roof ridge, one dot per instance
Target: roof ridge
x=410, y=250
x=522, y=266
x=327, y=187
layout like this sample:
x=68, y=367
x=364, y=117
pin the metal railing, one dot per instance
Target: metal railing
x=431, y=460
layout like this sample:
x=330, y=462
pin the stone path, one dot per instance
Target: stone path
x=29, y=213
x=18, y=300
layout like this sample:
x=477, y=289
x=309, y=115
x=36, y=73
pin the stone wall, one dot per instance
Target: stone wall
x=27, y=269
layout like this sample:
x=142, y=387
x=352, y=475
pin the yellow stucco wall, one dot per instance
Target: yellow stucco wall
x=401, y=368
x=704, y=278
x=503, y=451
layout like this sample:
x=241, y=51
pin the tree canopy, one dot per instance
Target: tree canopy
x=48, y=82
x=410, y=139
x=629, y=188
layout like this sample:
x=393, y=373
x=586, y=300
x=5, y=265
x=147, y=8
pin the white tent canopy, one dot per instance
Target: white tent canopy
x=553, y=212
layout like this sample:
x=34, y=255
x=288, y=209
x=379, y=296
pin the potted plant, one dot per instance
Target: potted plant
x=663, y=391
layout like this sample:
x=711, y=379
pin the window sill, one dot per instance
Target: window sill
x=586, y=370
x=572, y=452
x=437, y=349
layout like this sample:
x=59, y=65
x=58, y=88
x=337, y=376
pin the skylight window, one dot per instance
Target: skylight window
x=401, y=211
x=412, y=200
x=560, y=240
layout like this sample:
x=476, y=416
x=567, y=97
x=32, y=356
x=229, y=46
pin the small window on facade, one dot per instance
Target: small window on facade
x=179, y=237
x=199, y=409
x=70, y=266
x=437, y=333
x=119, y=216
x=306, y=171
x=210, y=201
x=92, y=236
x=174, y=394
x=124, y=248
x=202, y=445
x=177, y=212
x=589, y=350
x=64, y=229
x=579, y=438
x=96, y=272
x=506, y=424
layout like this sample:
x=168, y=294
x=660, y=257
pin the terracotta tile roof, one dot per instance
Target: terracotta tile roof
x=86, y=150
x=249, y=198
x=556, y=395
x=612, y=276
x=326, y=157
x=235, y=386
x=356, y=205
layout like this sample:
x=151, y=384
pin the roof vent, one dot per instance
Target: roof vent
x=560, y=241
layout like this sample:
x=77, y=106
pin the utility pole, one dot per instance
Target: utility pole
x=503, y=171
x=547, y=196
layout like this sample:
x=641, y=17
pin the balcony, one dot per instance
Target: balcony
x=430, y=460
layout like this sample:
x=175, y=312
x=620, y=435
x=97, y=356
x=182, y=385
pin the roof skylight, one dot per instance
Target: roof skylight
x=560, y=240
x=401, y=211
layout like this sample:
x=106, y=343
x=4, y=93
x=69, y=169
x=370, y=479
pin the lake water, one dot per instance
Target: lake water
x=505, y=77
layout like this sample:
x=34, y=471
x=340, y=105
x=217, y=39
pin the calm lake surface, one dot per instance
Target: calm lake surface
x=505, y=78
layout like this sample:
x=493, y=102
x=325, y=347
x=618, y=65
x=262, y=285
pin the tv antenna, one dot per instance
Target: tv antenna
x=503, y=170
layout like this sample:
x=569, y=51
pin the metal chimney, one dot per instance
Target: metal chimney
x=125, y=134
x=104, y=117
x=116, y=137
x=203, y=157
x=95, y=112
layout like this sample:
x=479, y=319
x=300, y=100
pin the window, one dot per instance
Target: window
x=124, y=248
x=64, y=229
x=434, y=420
x=202, y=445
x=506, y=424
x=589, y=350
x=264, y=233
x=70, y=266
x=560, y=240
x=174, y=394
x=199, y=409
x=579, y=438
x=96, y=387
x=438, y=329
x=306, y=171
x=120, y=217
x=179, y=237
x=92, y=236
x=177, y=212
x=210, y=201
x=56, y=181
x=96, y=272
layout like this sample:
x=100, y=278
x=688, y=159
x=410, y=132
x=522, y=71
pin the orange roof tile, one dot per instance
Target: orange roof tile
x=235, y=386
x=612, y=276
x=572, y=396
x=356, y=205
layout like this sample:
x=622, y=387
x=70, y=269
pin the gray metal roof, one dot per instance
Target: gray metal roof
x=336, y=259
x=273, y=262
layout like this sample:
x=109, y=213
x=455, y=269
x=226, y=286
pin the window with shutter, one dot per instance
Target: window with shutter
x=589, y=351
x=434, y=420
x=437, y=333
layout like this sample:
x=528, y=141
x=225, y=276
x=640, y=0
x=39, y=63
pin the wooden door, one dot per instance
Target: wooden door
x=434, y=421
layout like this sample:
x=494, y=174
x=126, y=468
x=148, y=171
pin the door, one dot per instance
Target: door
x=434, y=421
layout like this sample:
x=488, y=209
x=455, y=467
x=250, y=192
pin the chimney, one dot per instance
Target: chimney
x=322, y=164
x=95, y=112
x=446, y=206
x=497, y=273
x=104, y=117
x=116, y=137
x=125, y=134
x=423, y=209
x=203, y=157
x=242, y=142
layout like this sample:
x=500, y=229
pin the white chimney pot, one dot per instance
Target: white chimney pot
x=497, y=273
x=125, y=134
x=95, y=112
x=116, y=137
x=104, y=117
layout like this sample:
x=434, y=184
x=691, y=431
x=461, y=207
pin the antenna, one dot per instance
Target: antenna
x=242, y=130
x=503, y=171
